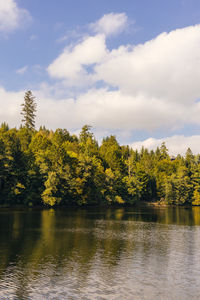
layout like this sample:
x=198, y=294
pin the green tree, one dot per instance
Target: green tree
x=111, y=154
x=178, y=188
x=28, y=110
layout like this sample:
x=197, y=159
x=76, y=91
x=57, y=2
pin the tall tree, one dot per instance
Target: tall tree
x=28, y=110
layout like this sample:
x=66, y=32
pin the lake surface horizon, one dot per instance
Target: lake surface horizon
x=85, y=253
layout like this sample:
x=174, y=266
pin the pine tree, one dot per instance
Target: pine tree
x=28, y=110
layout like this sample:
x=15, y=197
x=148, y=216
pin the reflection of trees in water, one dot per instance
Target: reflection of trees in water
x=53, y=247
x=16, y=243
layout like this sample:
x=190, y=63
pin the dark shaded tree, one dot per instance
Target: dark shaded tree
x=28, y=110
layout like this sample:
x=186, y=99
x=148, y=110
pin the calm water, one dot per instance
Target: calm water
x=151, y=253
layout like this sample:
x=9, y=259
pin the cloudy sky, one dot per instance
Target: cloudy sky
x=129, y=68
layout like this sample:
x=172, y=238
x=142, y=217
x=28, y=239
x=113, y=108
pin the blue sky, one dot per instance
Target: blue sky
x=128, y=68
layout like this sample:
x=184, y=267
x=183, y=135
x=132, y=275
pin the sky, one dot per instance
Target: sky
x=129, y=68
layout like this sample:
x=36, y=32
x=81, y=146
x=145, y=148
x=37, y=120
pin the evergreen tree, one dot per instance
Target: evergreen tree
x=56, y=168
x=28, y=110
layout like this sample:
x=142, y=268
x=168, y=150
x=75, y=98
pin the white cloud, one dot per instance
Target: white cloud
x=167, y=67
x=157, y=83
x=73, y=114
x=146, y=87
x=107, y=110
x=118, y=110
x=11, y=16
x=50, y=113
x=73, y=62
x=109, y=24
x=177, y=144
x=22, y=70
x=100, y=108
x=76, y=63
x=10, y=106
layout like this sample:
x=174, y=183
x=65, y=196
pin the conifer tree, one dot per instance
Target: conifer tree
x=28, y=110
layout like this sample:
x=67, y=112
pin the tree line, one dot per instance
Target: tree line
x=56, y=168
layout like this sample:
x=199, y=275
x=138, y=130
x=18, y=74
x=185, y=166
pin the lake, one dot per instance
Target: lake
x=116, y=253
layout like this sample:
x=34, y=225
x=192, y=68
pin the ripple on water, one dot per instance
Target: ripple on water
x=98, y=258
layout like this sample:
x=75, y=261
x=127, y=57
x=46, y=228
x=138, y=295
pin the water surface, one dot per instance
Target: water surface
x=146, y=253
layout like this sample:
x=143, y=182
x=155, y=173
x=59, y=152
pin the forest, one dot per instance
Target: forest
x=46, y=167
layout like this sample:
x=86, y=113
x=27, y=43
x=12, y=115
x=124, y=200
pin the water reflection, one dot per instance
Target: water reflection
x=109, y=254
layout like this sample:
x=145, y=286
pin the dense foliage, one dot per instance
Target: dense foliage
x=47, y=167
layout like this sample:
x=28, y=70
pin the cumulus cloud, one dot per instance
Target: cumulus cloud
x=109, y=24
x=11, y=16
x=100, y=108
x=177, y=144
x=167, y=67
x=156, y=84
x=10, y=107
x=76, y=63
x=74, y=113
x=150, y=86
x=118, y=110
x=50, y=113
x=72, y=63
